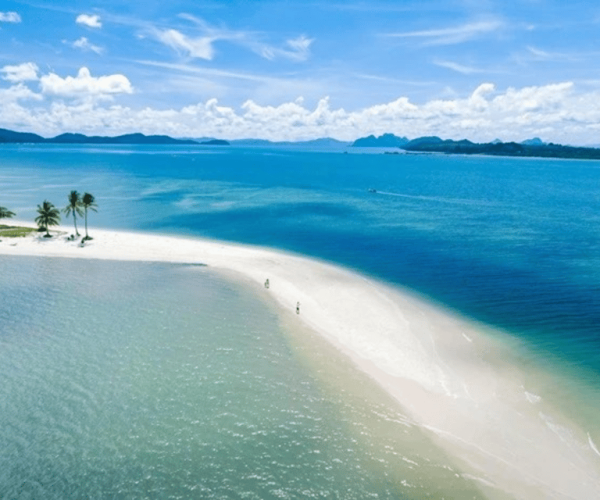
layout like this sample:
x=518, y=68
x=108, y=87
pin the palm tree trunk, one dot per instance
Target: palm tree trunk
x=75, y=223
x=86, y=233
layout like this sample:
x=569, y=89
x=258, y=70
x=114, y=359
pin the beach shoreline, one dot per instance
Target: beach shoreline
x=433, y=363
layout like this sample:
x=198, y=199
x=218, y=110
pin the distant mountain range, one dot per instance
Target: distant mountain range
x=530, y=148
x=9, y=136
x=465, y=147
x=383, y=141
x=393, y=141
x=534, y=147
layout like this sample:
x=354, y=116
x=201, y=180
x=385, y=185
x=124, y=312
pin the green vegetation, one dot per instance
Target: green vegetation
x=15, y=231
x=49, y=216
x=534, y=148
x=465, y=147
x=88, y=202
x=74, y=207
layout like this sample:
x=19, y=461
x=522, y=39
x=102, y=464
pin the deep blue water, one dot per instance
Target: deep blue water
x=514, y=243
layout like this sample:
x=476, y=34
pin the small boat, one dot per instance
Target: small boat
x=371, y=190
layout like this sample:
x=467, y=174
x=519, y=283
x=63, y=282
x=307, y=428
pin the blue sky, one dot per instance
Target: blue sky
x=303, y=69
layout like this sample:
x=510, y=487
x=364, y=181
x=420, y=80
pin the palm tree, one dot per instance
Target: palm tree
x=74, y=207
x=49, y=216
x=88, y=201
x=5, y=213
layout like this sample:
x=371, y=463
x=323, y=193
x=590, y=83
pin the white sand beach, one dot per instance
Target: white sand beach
x=443, y=370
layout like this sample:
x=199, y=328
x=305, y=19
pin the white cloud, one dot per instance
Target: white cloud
x=543, y=55
x=84, y=44
x=200, y=47
x=300, y=44
x=20, y=73
x=16, y=93
x=91, y=21
x=459, y=68
x=454, y=35
x=557, y=112
x=211, y=72
x=539, y=54
x=298, y=49
x=10, y=17
x=13, y=114
x=85, y=86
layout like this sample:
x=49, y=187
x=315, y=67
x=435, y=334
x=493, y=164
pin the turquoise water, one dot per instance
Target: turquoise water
x=132, y=380
x=513, y=243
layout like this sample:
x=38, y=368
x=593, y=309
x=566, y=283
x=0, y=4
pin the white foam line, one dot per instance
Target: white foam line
x=532, y=398
x=480, y=479
x=453, y=201
x=593, y=445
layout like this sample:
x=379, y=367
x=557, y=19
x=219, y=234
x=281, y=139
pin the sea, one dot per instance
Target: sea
x=155, y=380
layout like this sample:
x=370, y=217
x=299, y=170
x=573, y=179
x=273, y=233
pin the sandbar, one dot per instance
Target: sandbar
x=436, y=364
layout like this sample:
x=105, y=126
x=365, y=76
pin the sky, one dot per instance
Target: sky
x=299, y=70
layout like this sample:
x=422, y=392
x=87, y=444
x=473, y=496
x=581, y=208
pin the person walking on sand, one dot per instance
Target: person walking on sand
x=267, y=283
x=297, y=307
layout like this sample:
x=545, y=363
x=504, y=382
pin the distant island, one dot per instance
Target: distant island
x=533, y=147
x=530, y=148
x=9, y=136
x=214, y=142
x=12, y=137
x=383, y=141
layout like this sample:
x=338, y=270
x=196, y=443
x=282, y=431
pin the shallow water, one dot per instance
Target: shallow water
x=133, y=380
x=513, y=243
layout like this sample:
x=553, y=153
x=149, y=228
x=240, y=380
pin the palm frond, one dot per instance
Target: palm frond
x=5, y=213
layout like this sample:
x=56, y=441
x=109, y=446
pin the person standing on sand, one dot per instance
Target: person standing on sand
x=267, y=283
x=297, y=307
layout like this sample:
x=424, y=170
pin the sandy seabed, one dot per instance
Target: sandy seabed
x=444, y=371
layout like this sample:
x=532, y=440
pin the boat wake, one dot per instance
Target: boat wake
x=439, y=199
